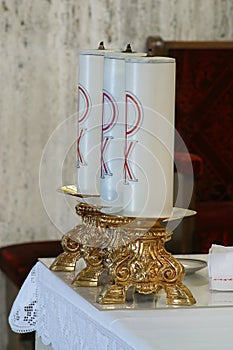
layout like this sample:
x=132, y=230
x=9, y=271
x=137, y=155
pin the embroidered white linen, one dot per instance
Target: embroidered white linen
x=49, y=304
x=40, y=307
x=220, y=266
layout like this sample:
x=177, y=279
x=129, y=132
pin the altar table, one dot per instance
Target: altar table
x=67, y=317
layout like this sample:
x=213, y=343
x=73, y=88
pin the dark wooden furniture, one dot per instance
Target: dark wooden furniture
x=17, y=260
x=204, y=119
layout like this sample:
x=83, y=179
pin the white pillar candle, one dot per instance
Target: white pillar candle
x=90, y=85
x=149, y=137
x=113, y=126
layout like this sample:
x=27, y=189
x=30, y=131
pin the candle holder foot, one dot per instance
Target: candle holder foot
x=179, y=294
x=66, y=261
x=112, y=294
x=89, y=276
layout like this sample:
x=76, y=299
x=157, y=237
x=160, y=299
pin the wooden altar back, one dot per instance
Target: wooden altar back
x=204, y=119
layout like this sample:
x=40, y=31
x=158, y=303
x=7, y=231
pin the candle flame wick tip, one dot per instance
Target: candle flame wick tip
x=128, y=48
x=101, y=46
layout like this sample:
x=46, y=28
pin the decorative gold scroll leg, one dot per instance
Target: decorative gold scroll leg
x=66, y=261
x=89, y=276
x=177, y=293
x=120, y=274
x=170, y=276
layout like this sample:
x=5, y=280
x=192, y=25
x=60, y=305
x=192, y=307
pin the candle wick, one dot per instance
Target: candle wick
x=101, y=46
x=128, y=48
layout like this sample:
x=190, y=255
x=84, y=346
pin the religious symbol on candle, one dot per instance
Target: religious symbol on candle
x=109, y=119
x=84, y=103
x=133, y=116
x=90, y=84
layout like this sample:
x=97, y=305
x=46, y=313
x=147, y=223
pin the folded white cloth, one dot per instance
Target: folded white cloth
x=220, y=266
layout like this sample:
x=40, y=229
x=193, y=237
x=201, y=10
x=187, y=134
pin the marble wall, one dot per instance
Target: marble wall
x=39, y=42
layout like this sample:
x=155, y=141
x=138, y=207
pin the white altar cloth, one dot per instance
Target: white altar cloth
x=64, y=318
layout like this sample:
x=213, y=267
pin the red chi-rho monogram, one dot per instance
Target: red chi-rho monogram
x=133, y=117
x=84, y=103
x=109, y=119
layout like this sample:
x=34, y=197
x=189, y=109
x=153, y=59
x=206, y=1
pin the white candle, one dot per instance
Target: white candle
x=90, y=87
x=113, y=126
x=149, y=137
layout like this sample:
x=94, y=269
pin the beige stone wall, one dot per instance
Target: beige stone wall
x=39, y=42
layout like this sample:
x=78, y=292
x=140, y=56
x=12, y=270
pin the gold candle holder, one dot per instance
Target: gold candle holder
x=130, y=251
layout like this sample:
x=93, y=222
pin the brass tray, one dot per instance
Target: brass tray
x=192, y=265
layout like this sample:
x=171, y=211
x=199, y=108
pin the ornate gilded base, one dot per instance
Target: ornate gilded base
x=148, y=267
x=130, y=250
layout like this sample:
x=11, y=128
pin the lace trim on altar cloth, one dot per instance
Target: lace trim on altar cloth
x=73, y=328
x=23, y=315
x=38, y=307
